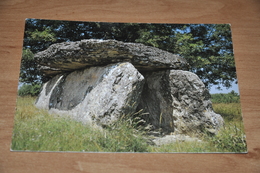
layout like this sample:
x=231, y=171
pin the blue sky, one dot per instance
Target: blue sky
x=234, y=87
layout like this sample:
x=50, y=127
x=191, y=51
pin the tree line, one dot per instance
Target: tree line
x=231, y=97
x=207, y=47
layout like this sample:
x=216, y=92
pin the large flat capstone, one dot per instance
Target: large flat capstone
x=96, y=94
x=70, y=56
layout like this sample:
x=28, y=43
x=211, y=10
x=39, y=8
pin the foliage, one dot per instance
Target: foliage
x=28, y=71
x=231, y=138
x=36, y=130
x=229, y=111
x=227, y=105
x=45, y=35
x=231, y=97
x=207, y=47
x=124, y=136
x=29, y=90
x=184, y=147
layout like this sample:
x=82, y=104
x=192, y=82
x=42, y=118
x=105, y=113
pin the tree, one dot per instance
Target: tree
x=28, y=89
x=28, y=71
x=209, y=51
x=231, y=97
x=207, y=47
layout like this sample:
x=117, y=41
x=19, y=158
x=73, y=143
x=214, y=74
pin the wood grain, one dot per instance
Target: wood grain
x=244, y=16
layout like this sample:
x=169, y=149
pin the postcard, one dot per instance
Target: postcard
x=127, y=87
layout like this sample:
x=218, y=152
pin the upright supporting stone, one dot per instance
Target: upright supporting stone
x=96, y=94
x=177, y=101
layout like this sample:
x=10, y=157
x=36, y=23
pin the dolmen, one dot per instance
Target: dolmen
x=99, y=81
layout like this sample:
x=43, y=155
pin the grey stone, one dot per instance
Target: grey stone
x=177, y=101
x=97, y=95
x=97, y=81
x=168, y=139
x=70, y=56
x=157, y=101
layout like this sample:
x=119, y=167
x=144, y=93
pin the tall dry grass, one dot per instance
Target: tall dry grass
x=37, y=130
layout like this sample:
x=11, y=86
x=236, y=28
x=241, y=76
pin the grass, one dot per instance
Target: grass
x=37, y=130
x=231, y=138
x=229, y=111
x=184, y=147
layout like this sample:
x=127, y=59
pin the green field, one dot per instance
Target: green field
x=36, y=130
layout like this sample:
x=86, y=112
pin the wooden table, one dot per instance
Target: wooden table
x=243, y=15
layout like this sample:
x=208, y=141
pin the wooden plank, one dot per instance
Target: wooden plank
x=244, y=16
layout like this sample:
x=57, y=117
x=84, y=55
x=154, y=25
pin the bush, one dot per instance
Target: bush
x=231, y=97
x=29, y=90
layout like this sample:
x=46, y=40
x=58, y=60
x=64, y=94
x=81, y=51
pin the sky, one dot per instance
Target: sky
x=234, y=87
